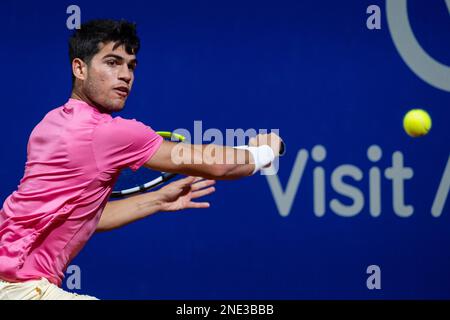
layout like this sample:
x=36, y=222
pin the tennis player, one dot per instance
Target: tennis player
x=75, y=155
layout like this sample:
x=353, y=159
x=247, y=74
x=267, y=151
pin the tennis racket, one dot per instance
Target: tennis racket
x=144, y=179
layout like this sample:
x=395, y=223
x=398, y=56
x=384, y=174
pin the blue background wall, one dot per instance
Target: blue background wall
x=310, y=68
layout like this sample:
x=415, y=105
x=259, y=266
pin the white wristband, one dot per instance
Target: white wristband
x=262, y=155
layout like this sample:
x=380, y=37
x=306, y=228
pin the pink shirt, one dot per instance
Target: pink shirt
x=74, y=156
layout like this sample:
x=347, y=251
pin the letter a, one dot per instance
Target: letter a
x=374, y=281
x=74, y=20
x=74, y=280
x=374, y=20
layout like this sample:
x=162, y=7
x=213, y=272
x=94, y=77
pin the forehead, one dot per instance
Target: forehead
x=108, y=48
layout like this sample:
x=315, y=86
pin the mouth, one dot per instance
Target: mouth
x=122, y=91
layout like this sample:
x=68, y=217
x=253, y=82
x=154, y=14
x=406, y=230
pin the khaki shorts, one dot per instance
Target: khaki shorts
x=37, y=290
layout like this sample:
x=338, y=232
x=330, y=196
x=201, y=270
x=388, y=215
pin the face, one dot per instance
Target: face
x=108, y=78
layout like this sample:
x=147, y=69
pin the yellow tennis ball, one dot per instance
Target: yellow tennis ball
x=417, y=122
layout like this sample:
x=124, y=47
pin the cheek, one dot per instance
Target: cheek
x=101, y=75
x=98, y=80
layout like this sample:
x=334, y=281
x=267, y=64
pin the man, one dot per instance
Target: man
x=75, y=155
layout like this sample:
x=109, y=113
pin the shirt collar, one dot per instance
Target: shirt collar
x=75, y=103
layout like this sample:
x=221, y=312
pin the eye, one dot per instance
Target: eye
x=111, y=63
x=132, y=67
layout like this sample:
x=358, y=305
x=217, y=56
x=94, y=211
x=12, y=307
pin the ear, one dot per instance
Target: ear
x=79, y=69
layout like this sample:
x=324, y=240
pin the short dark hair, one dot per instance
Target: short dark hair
x=84, y=43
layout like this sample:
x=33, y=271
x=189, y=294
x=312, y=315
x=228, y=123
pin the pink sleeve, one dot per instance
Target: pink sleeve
x=124, y=143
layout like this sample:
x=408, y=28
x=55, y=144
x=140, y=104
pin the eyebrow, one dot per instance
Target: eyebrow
x=111, y=55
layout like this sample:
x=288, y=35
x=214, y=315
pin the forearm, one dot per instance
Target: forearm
x=214, y=161
x=119, y=213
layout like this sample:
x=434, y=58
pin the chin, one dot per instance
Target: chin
x=115, y=106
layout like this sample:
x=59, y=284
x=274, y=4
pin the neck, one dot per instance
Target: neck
x=80, y=96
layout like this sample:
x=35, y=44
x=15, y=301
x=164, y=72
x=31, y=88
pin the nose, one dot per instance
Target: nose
x=125, y=74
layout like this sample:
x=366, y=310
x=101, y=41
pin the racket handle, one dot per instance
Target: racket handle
x=168, y=175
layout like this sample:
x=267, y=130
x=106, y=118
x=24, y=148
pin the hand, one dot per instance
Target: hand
x=178, y=195
x=271, y=139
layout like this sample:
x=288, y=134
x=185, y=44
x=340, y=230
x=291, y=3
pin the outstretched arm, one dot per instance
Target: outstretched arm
x=214, y=161
x=175, y=196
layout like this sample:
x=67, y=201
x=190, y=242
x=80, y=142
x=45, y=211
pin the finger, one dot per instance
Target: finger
x=203, y=192
x=186, y=181
x=202, y=184
x=191, y=180
x=198, y=205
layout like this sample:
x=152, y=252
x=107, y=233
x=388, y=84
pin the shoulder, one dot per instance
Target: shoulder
x=118, y=126
x=123, y=130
